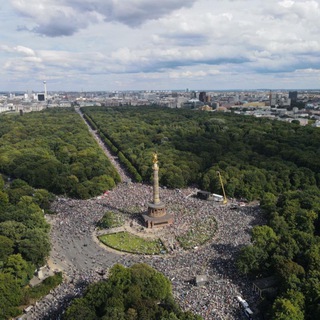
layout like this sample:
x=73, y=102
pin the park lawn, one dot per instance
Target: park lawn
x=125, y=241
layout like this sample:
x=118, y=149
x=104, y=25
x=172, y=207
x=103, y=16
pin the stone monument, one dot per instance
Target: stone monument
x=157, y=215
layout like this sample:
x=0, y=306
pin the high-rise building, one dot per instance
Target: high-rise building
x=203, y=96
x=41, y=97
x=293, y=95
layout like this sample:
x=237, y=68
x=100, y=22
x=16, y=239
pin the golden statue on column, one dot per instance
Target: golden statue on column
x=155, y=158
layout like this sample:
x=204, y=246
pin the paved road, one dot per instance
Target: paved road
x=121, y=170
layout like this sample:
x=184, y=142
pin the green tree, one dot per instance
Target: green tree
x=120, y=277
x=268, y=202
x=283, y=309
x=30, y=214
x=290, y=272
x=102, y=183
x=97, y=294
x=6, y=247
x=79, y=309
x=313, y=257
x=287, y=247
x=172, y=177
x=43, y=198
x=1, y=182
x=131, y=314
x=305, y=220
x=155, y=285
x=18, y=183
x=35, y=246
x=297, y=298
x=20, y=269
x=15, y=194
x=250, y=260
x=4, y=199
x=110, y=220
x=264, y=238
x=13, y=230
x=312, y=296
x=10, y=296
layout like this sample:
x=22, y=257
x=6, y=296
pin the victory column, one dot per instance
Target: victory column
x=157, y=216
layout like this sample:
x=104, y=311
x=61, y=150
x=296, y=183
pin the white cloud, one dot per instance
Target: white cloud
x=66, y=17
x=24, y=50
x=191, y=41
x=18, y=49
x=286, y=3
x=194, y=74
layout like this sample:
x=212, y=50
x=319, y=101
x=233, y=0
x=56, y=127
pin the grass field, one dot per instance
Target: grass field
x=125, y=241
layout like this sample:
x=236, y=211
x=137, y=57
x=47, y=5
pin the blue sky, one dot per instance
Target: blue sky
x=157, y=45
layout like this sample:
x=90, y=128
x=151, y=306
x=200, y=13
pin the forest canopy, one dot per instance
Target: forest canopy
x=253, y=155
x=288, y=248
x=53, y=149
x=24, y=241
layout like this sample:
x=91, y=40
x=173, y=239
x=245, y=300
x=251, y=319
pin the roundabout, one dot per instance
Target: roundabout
x=188, y=232
x=81, y=256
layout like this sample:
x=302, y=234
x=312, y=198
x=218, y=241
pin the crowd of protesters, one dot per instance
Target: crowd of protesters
x=77, y=252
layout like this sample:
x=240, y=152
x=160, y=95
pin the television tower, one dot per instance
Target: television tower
x=45, y=90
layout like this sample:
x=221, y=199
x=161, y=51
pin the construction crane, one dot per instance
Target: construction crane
x=222, y=187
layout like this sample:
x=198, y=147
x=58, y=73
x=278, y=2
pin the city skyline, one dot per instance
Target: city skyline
x=104, y=45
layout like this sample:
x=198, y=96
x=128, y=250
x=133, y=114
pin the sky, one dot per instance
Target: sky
x=109, y=45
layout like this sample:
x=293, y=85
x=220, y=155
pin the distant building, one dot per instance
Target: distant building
x=203, y=96
x=274, y=99
x=41, y=97
x=6, y=107
x=205, y=108
x=316, y=124
x=181, y=101
x=302, y=121
x=256, y=104
x=222, y=108
x=192, y=104
x=293, y=95
x=215, y=105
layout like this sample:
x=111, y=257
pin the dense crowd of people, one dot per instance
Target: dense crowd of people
x=77, y=252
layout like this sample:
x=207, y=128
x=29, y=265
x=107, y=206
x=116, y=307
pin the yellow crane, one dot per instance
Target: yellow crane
x=224, y=193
